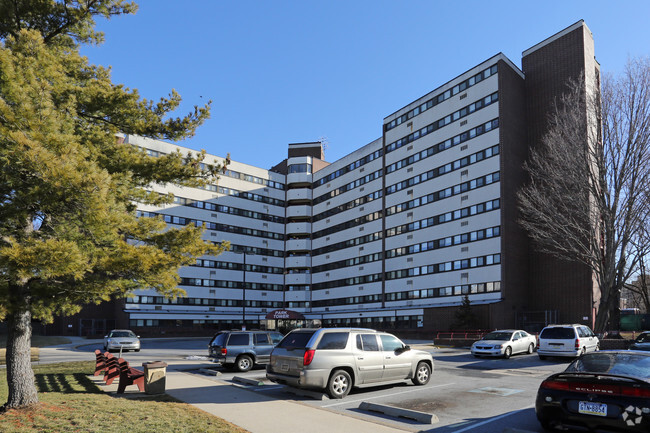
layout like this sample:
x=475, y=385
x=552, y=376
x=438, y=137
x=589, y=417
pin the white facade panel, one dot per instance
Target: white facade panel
x=299, y=194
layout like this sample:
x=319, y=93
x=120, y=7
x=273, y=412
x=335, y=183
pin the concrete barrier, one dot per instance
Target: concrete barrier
x=423, y=417
x=247, y=381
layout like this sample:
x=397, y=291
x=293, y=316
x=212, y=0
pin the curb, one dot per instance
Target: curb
x=423, y=417
x=247, y=381
x=305, y=393
x=210, y=372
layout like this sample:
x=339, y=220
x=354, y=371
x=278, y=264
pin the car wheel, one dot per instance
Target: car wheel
x=244, y=363
x=597, y=347
x=583, y=351
x=422, y=374
x=137, y=350
x=507, y=352
x=531, y=348
x=339, y=384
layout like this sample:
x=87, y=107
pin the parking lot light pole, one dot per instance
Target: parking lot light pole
x=244, y=253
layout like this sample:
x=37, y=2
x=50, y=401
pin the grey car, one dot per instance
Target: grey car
x=121, y=339
x=505, y=342
x=242, y=349
x=337, y=359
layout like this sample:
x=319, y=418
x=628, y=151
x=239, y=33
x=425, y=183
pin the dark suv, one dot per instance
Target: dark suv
x=242, y=349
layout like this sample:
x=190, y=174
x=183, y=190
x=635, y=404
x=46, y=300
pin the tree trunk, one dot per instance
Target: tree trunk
x=604, y=317
x=20, y=376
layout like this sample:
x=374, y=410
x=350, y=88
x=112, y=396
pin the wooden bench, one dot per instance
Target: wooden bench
x=100, y=362
x=129, y=376
x=112, y=370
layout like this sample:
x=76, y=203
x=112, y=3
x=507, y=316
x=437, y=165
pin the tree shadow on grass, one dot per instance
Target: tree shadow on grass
x=75, y=383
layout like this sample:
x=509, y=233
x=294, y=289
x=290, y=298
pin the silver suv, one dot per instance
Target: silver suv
x=337, y=359
x=566, y=340
x=242, y=349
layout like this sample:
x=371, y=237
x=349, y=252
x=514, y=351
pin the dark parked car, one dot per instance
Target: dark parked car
x=242, y=349
x=642, y=342
x=602, y=391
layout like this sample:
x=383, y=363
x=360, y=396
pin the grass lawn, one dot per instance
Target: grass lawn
x=37, y=341
x=71, y=402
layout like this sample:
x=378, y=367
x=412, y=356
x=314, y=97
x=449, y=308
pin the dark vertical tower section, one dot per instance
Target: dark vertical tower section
x=564, y=288
x=514, y=242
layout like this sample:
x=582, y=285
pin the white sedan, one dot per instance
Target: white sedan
x=504, y=343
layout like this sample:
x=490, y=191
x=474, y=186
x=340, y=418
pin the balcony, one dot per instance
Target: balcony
x=299, y=194
x=298, y=262
x=301, y=296
x=298, y=245
x=297, y=279
x=299, y=178
x=298, y=211
x=298, y=228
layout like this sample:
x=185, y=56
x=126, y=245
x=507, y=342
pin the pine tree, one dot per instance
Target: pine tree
x=69, y=186
x=465, y=318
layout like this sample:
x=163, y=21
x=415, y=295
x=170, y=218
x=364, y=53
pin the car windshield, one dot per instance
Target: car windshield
x=558, y=334
x=643, y=338
x=627, y=364
x=501, y=336
x=122, y=334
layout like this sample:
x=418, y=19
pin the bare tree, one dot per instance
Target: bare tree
x=638, y=292
x=587, y=200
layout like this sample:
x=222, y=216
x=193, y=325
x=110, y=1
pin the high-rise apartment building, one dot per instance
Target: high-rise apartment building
x=395, y=234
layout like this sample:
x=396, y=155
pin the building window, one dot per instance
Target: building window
x=300, y=168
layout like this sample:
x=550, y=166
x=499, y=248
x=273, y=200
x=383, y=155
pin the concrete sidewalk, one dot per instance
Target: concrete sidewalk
x=248, y=409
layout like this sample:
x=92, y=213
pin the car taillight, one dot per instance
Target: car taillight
x=597, y=388
x=577, y=344
x=554, y=384
x=630, y=391
x=308, y=356
x=224, y=351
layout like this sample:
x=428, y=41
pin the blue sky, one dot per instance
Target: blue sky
x=282, y=72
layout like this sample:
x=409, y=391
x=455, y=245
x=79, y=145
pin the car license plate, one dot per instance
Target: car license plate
x=284, y=367
x=590, y=408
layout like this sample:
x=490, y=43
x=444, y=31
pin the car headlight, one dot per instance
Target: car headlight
x=500, y=346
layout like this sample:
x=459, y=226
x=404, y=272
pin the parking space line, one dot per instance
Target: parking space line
x=482, y=423
x=419, y=388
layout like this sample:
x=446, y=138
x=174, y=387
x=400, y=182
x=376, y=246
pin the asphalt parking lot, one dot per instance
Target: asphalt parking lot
x=466, y=394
